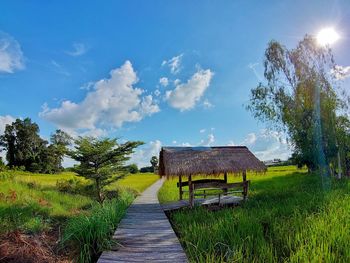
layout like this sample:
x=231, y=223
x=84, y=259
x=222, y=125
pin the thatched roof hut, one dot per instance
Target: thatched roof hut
x=191, y=161
x=176, y=161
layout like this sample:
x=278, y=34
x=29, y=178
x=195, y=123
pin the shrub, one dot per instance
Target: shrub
x=91, y=234
x=72, y=186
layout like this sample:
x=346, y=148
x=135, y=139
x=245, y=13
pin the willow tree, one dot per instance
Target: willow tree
x=299, y=98
x=100, y=159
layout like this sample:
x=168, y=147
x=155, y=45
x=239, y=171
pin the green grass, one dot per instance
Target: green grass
x=89, y=235
x=288, y=218
x=31, y=203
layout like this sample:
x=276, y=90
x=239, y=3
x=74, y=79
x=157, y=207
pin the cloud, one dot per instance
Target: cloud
x=341, y=72
x=79, y=49
x=4, y=120
x=209, y=141
x=143, y=155
x=202, y=130
x=186, y=95
x=111, y=103
x=253, y=66
x=268, y=145
x=164, y=81
x=207, y=104
x=59, y=68
x=174, y=64
x=11, y=55
x=231, y=143
x=157, y=92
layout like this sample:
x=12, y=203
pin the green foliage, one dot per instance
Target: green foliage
x=132, y=168
x=91, y=234
x=298, y=97
x=287, y=218
x=154, y=162
x=147, y=169
x=73, y=186
x=26, y=149
x=100, y=159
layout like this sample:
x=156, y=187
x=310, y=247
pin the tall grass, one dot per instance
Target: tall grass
x=288, y=218
x=91, y=234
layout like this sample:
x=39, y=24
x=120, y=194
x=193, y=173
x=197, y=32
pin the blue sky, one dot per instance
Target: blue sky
x=164, y=72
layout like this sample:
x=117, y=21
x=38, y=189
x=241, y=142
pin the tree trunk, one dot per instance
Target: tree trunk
x=98, y=191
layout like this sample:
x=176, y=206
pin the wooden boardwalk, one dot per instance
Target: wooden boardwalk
x=145, y=233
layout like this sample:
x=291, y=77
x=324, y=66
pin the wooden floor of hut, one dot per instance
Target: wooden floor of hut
x=224, y=201
x=145, y=233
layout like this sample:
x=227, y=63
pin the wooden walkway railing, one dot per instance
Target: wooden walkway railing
x=145, y=233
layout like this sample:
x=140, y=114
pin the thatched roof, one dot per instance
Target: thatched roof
x=175, y=161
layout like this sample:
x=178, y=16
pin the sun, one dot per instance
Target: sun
x=327, y=36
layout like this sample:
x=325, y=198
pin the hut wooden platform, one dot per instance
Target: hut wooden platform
x=224, y=201
x=145, y=233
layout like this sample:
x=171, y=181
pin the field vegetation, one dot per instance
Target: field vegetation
x=288, y=218
x=52, y=217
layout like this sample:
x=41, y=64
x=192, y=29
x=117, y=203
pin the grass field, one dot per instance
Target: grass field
x=288, y=218
x=31, y=204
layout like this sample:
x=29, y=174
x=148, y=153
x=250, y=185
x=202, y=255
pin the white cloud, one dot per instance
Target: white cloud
x=164, y=81
x=88, y=86
x=174, y=142
x=186, y=144
x=111, y=103
x=79, y=49
x=202, y=130
x=143, y=155
x=268, y=145
x=186, y=95
x=177, y=82
x=174, y=64
x=231, y=143
x=11, y=56
x=207, y=104
x=4, y=120
x=157, y=92
x=59, y=68
x=253, y=66
x=341, y=72
x=209, y=141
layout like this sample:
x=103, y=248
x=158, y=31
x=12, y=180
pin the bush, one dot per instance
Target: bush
x=132, y=168
x=91, y=234
x=148, y=169
x=73, y=186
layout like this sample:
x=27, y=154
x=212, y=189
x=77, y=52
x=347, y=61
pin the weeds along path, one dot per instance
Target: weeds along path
x=145, y=233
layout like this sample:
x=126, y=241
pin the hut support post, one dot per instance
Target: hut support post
x=191, y=192
x=225, y=178
x=245, y=185
x=180, y=187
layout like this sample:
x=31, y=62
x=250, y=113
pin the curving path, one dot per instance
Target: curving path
x=145, y=233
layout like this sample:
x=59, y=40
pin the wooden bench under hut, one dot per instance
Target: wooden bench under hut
x=189, y=162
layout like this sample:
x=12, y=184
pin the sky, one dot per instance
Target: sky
x=169, y=73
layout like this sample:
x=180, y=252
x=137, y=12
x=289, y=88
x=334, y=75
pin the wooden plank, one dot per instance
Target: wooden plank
x=218, y=185
x=145, y=233
x=201, y=181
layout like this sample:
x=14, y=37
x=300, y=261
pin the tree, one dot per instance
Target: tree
x=100, y=159
x=57, y=150
x=154, y=162
x=299, y=99
x=132, y=168
x=23, y=144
